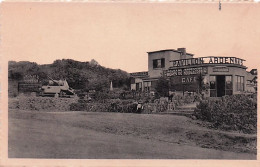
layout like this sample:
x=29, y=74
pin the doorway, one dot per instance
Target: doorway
x=220, y=79
x=139, y=86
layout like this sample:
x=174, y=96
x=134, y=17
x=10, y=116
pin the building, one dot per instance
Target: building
x=215, y=76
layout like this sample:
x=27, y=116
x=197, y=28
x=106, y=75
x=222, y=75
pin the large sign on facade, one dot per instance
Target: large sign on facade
x=186, y=71
x=184, y=83
x=208, y=60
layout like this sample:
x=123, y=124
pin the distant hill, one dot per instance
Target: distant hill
x=80, y=75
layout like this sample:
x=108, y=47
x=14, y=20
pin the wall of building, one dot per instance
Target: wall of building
x=234, y=72
x=187, y=78
x=168, y=55
x=187, y=56
x=190, y=82
x=133, y=86
x=137, y=81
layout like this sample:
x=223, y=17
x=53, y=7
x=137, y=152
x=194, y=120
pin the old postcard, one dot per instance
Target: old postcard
x=129, y=83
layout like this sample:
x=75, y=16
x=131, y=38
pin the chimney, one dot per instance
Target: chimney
x=183, y=52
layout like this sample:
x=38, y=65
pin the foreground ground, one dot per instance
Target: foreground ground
x=120, y=135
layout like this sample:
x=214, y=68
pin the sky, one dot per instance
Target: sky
x=119, y=35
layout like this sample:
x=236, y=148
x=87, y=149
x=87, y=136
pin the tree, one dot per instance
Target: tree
x=15, y=75
x=42, y=76
x=162, y=87
x=76, y=79
x=200, y=79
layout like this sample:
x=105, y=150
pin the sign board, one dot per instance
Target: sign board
x=30, y=83
x=220, y=69
x=186, y=71
x=184, y=83
x=184, y=80
x=31, y=79
x=208, y=60
x=139, y=74
x=190, y=79
x=28, y=87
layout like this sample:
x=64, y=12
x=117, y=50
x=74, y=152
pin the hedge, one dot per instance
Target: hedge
x=115, y=105
x=118, y=105
x=236, y=112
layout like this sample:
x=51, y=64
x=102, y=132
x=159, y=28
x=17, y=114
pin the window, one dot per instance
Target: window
x=240, y=83
x=212, y=82
x=132, y=80
x=139, y=86
x=228, y=82
x=147, y=86
x=229, y=85
x=153, y=84
x=159, y=63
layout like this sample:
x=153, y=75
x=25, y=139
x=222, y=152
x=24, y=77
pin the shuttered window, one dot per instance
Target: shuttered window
x=159, y=63
x=163, y=63
x=154, y=63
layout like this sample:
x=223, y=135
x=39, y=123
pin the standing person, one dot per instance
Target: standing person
x=139, y=107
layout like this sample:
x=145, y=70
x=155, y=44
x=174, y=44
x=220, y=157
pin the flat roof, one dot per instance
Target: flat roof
x=169, y=50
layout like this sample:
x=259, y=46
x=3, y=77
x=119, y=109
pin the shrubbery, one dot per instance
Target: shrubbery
x=29, y=102
x=79, y=75
x=236, y=112
x=91, y=107
x=186, y=99
x=112, y=105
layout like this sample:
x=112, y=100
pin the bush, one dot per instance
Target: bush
x=110, y=105
x=162, y=87
x=188, y=99
x=91, y=107
x=236, y=112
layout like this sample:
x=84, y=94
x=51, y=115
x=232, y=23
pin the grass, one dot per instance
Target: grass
x=120, y=135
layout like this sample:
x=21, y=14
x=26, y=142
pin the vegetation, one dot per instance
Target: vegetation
x=200, y=79
x=80, y=75
x=162, y=87
x=236, y=112
x=112, y=105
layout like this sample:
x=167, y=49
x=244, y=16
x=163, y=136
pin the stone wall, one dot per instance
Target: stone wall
x=23, y=102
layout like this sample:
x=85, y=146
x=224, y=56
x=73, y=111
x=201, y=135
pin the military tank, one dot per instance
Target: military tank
x=57, y=88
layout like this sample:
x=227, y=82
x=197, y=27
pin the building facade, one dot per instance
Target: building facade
x=214, y=76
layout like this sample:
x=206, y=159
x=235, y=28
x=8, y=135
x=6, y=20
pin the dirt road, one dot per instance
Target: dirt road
x=107, y=135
